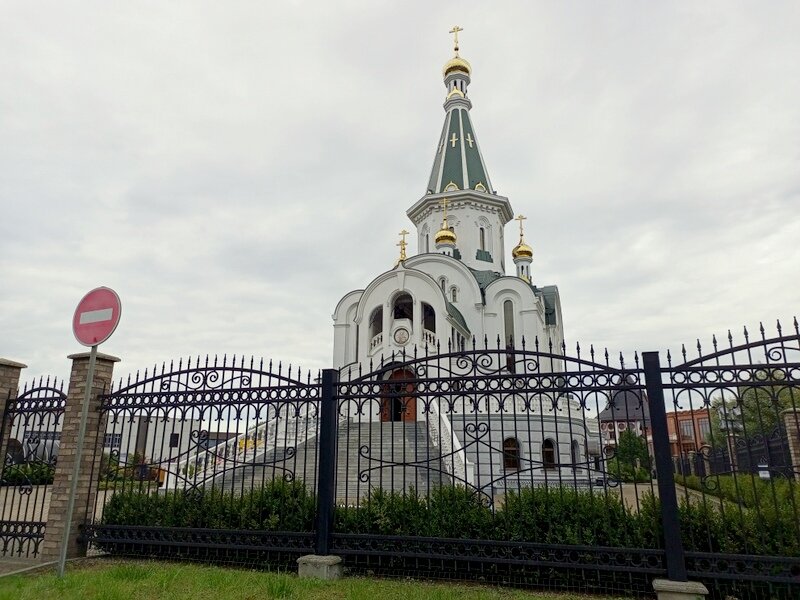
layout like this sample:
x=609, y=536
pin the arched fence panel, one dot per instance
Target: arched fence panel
x=207, y=457
x=734, y=434
x=492, y=463
x=29, y=442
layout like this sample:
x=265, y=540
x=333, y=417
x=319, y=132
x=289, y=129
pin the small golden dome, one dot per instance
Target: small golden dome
x=456, y=64
x=445, y=236
x=522, y=250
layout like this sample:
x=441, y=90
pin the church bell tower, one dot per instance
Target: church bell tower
x=475, y=213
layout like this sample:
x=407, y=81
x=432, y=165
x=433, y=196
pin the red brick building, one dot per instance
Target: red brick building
x=689, y=430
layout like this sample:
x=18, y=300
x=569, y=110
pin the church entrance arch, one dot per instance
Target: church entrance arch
x=398, y=402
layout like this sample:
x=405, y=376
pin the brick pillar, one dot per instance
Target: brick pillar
x=87, y=484
x=9, y=384
x=791, y=420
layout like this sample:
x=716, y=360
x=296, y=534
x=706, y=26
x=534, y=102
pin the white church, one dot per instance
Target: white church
x=454, y=292
x=456, y=287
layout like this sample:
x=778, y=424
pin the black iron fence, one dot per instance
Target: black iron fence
x=29, y=441
x=530, y=466
x=207, y=459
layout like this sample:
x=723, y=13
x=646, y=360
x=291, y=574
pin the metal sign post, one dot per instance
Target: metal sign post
x=73, y=490
x=95, y=319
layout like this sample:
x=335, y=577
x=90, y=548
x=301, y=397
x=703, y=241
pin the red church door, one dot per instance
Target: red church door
x=397, y=407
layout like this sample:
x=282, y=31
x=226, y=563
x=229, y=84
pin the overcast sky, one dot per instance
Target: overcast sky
x=232, y=169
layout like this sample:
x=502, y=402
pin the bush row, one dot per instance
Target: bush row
x=28, y=474
x=540, y=515
x=748, y=489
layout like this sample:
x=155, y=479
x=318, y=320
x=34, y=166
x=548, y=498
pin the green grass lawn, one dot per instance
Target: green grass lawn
x=139, y=580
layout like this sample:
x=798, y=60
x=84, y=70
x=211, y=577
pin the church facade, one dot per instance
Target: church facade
x=455, y=294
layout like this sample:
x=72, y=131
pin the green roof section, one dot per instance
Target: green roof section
x=458, y=149
x=437, y=160
x=456, y=315
x=453, y=169
x=549, y=295
x=484, y=278
x=475, y=170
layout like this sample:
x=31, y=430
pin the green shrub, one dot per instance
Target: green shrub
x=35, y=473
x=278, y=506
x=451, y=512
x=627, y=472
x=550, y=516
x=759, y=517
x=542, y=515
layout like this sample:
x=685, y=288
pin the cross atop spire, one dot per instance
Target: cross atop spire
x=455, y=31
x=402, y=243
x=443, y=202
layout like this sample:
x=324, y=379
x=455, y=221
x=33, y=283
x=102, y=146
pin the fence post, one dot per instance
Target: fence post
x=327, y=462
x=67, y=452
x=673, y=546
x=9, y=384
x=322, y=565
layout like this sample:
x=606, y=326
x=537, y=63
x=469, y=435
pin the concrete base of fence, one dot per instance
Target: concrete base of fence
x=667, y=589
x=319, y=567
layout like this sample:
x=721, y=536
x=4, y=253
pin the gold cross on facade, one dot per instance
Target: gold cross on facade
x=402, y=243
x=520, y=218
x=455, y=31
x=453, y=140
x=470, y=140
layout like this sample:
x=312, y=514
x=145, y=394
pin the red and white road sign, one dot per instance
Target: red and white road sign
x=97, y=316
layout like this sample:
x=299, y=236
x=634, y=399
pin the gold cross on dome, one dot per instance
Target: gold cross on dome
x=520, y=218
x=402, y=243
x=443, y=202
x=453, y=140
x=455, y=31
x=470, y=140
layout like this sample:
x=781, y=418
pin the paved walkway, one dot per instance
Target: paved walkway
x=10, y=565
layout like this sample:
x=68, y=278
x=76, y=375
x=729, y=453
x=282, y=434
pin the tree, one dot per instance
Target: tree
x=630, y=447
x=631, y=461
x=755, y=408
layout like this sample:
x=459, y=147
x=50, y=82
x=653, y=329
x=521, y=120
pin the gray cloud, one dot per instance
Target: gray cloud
x=233, y=170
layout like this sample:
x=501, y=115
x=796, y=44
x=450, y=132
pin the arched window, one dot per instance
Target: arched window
x=427, y=243
x=511, y=454
x=576, y=453
x=376, y=322
x=549, y=454
x=403, y=307
x=453, y=294
x=482, y=233
x=428, y=317
x=443, y=283
x=508, y=319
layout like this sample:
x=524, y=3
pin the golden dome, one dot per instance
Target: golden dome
x=522, y=250
x=445, y=236
x=456, y=64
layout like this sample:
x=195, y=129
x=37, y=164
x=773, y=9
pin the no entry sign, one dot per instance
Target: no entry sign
x=96, y=316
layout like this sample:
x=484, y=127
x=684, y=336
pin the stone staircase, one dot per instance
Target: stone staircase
x=393, y=456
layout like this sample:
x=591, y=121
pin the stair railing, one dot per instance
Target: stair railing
x=454, y=457
x=244, y=448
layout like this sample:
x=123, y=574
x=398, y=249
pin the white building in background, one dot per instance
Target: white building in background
x=456, y=290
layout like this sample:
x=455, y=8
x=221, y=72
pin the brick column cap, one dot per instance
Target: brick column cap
x=100, y=356
x=785, y=411
x=4, y=362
